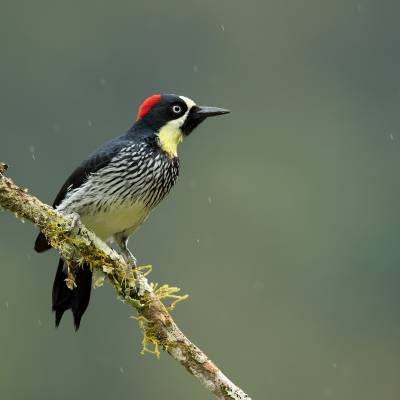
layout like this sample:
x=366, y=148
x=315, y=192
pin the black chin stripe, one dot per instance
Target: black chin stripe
x=192, y=121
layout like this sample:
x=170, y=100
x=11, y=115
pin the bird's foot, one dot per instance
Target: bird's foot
x=139, y=286
x=74, y=217
x=130, y=259
x=132, y=262
x=134, y=279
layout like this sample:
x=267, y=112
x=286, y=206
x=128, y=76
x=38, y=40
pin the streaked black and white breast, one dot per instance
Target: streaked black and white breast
x=119, y=196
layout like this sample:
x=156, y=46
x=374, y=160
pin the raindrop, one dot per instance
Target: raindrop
x=6, y=304
x=195, y=68
x=209, y=200
x=32, y=150
x=102, y=82
x=121, y=370
x=90, y=123
x=222, y=28
x=391, y=136
x=39, y=322
x=197, y=241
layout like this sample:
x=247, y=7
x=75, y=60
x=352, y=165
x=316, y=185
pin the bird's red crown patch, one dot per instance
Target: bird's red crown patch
x=147, y=105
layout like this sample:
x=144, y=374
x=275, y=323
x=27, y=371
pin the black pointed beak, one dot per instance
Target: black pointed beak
x=198, y=114
x=205, y=111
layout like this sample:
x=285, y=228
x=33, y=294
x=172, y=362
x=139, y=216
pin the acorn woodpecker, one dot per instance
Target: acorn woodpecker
x=117, y=186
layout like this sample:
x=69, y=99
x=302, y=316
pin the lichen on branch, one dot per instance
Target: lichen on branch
x=76, y=244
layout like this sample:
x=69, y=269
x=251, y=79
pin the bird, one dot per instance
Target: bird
x=116, y=187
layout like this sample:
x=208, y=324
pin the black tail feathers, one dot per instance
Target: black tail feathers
x=41, y=243
x=76, y=299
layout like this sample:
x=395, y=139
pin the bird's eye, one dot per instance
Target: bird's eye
x=176, y=109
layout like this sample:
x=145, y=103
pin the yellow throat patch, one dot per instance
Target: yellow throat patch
x=170, y=136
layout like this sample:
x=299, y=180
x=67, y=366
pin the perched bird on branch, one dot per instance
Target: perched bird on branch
x=117, y=186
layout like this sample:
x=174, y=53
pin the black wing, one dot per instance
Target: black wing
x=97, y=160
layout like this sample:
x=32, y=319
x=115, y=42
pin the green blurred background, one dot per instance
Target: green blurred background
x=284, y=227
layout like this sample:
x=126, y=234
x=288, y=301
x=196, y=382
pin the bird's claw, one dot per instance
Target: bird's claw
x=75, y=218
x=130, y=259
x=132, y=262
x=139, y=287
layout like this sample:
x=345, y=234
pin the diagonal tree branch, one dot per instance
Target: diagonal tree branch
x=74, y=242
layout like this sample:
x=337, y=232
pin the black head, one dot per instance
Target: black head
x=177, y=112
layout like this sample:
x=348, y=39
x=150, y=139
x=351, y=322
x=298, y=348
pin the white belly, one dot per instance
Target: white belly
x=118, y=219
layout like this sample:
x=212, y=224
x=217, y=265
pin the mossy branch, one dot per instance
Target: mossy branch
x=75, y=243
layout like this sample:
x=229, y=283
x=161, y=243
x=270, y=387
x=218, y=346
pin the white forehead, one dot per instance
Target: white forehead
x=190, y=103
